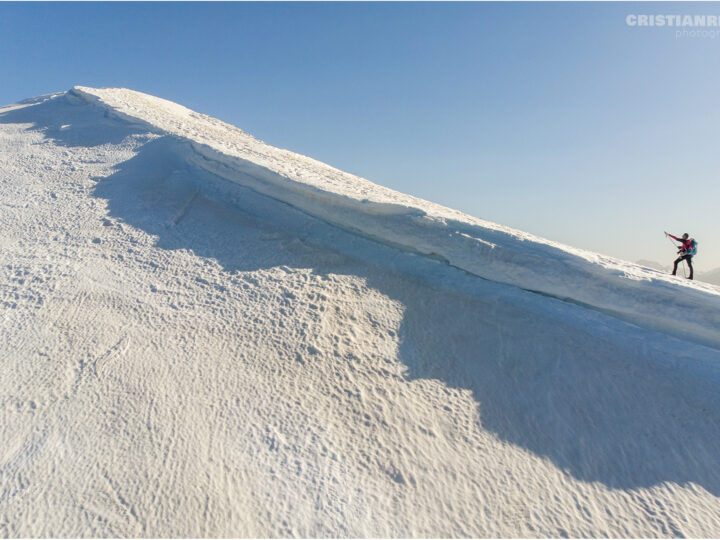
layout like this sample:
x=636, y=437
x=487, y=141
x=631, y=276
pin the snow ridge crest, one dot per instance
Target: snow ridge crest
x=479, y=247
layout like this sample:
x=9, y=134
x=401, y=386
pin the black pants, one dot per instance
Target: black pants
x=687, y=258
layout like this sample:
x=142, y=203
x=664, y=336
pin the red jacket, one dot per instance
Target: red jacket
x=686, y=244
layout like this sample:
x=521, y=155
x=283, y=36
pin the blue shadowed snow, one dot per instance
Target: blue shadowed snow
x=604, y=400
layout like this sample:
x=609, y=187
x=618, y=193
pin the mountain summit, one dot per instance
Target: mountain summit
x=204, y=335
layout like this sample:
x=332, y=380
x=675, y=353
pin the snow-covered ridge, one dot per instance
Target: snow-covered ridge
x=479, y=247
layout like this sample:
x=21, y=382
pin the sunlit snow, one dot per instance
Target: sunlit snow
x=203, y=335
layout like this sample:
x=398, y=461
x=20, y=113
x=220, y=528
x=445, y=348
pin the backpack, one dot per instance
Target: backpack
x=692, y=250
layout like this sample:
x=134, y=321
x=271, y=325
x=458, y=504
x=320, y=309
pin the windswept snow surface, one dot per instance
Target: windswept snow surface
x=203, y=335
x=480, y=247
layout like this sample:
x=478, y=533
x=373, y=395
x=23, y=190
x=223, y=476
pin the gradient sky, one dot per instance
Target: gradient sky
x=558, y=119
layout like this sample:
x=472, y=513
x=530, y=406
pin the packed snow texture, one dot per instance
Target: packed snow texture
x=480, y=247
x=203, y=335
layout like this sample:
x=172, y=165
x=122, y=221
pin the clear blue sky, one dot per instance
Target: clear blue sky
x=558, y=119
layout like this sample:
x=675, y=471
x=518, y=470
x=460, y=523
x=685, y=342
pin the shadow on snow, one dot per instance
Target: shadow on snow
x=618, y=405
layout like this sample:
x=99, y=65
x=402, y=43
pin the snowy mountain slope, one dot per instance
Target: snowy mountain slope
x=480, y=247
x=184, y=356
